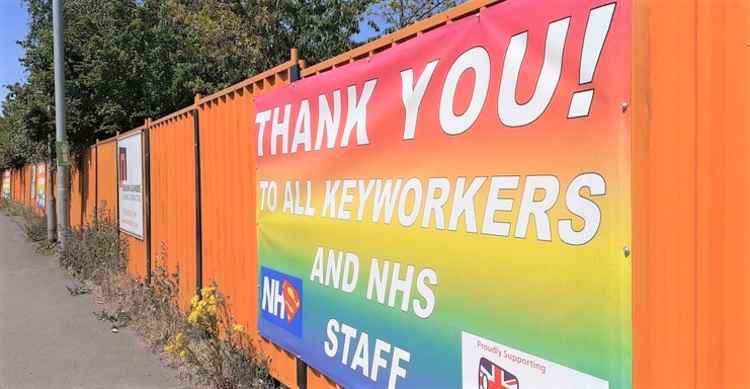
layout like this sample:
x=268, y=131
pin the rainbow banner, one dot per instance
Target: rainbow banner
x=40, y=185
x=454, y=212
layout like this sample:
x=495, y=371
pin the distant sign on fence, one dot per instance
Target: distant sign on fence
x=130, y=185
x=40, y=185
x=452, y=212
x=6, y=185
x=32, y=187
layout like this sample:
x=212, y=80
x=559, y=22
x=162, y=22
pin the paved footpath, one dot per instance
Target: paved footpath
x=50, y=339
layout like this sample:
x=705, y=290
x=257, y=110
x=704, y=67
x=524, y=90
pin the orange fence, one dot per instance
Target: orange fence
x=23, y=190
x=92, y=185
x=227, y=156
x=82, y=189
x=19, y=185
x=173, y=200
x=691, y=304
x=691, y=185
x=78, y=195
x=106, y=178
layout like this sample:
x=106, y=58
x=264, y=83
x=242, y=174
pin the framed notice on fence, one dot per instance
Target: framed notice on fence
x=130, y=185
x=6, y=185
x=32, y=187
x=452, y=212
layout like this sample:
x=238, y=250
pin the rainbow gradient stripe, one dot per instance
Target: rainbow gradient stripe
x=567, y=304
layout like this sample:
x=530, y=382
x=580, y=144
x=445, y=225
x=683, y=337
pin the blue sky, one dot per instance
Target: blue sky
x=365, y=32
x=12, y=29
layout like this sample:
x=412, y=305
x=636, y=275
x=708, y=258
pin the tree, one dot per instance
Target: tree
x=389, y=15
x=19, y=140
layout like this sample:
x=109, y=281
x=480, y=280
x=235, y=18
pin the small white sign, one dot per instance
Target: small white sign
x=130, y=187
x=487, y=364
x=6, y=185
x=33, y=181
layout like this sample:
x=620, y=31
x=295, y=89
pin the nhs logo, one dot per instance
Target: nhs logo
x=281, y=300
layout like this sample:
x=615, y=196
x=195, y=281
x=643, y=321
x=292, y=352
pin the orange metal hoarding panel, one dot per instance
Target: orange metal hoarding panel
x=83, y=189
x=22, y=187
x=316, y=380
x=77, y=194
x=27, y=173
x=19, y=187
x=228, y=199
x=30, y=192
x=13, y=184
x=26, y=192
x=228, y=202
x=16, y=184
x=283, y=365
x=26, y=177
x=723, y=182
x=136, y=256
x=106, y=181
x=173, y=201
x=89, y=185
x=691, y=303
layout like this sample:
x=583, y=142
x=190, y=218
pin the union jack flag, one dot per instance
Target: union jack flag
x=492, y=376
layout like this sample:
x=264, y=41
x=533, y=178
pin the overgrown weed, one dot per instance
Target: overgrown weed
x=93, y=252
x=207, y=346
x=33, y=225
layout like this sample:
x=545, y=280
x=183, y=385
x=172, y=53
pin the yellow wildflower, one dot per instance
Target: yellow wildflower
x=178, y=346
x=238, y=328
x=208, y=291
x=204, y=309
x=193, y=317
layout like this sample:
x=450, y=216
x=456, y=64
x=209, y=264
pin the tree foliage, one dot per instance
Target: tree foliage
x=389, y=15
x=20, y=139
